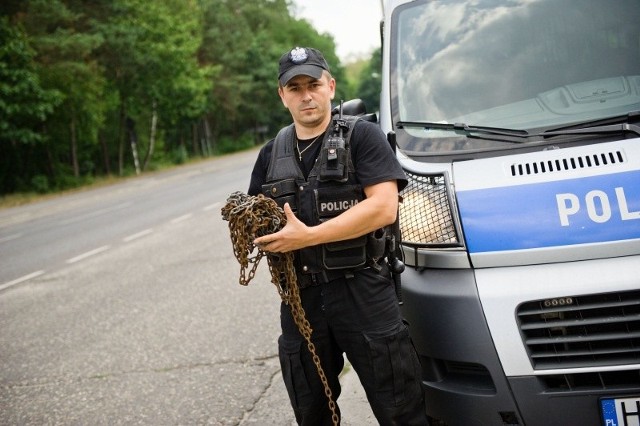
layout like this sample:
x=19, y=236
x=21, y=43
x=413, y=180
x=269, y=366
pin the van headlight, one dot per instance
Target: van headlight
x=426, y=218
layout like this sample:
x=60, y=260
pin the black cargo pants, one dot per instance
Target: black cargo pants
x=359, y=316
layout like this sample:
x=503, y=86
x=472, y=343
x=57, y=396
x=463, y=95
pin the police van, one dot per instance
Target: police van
x=518, y=125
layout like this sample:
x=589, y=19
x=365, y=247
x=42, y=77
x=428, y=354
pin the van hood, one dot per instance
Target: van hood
x=551, y=206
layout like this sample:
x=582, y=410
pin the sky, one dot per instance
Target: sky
x=354, y=24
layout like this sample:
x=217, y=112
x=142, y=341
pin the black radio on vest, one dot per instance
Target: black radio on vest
x=334, y=152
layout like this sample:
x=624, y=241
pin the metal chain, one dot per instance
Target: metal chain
x=250, y=217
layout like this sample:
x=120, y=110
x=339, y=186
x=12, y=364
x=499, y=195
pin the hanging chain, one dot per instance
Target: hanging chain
x=250, y=217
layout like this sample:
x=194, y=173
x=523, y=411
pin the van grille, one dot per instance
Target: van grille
x=426, y=212
x=592, y=381
x=567, y=163
x=582, y=331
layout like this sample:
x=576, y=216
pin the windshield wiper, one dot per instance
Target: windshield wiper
x=609, y=128
x=473, y=131
x=470, y=131
x=618, y=124
x=462, y=127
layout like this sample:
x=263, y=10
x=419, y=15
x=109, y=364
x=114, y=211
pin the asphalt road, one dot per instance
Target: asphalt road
x=39, y=237
x=121, y=306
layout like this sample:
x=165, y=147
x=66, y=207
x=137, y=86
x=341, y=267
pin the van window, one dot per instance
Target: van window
x=515, y=64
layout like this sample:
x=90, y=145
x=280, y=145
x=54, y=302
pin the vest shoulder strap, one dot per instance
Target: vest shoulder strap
x=350, y=121
x=283, y=163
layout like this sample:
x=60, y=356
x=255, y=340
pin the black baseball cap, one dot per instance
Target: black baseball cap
x=301, y=61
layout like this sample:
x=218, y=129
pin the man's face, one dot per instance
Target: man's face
x=309, y=100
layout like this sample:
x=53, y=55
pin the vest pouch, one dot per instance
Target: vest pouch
x=282, y=192
x=330, y=202
x=345, y=254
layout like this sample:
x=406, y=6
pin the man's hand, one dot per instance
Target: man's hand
x=294, y=235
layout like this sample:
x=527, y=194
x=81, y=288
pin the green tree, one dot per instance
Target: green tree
x=88, y=86
x=149, y=57
x=24, y=107
x=64, y=53
x=24, y=100
x=370, y=82
x=230, y=39
x=246, y=39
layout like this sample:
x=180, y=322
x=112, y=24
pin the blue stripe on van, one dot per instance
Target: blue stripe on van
x=575, y=211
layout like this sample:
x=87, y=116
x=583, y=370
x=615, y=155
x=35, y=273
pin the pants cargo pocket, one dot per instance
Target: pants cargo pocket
x=294, y=373
x=395, y=366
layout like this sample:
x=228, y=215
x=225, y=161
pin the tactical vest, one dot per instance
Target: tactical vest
x=330, y=189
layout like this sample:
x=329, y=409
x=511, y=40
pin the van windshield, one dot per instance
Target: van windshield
x=510, y=64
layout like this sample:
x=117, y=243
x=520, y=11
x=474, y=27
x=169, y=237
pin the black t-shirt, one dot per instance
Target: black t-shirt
x=372, y=156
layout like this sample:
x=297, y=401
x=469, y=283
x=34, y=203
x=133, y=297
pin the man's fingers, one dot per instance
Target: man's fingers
x=287, y=210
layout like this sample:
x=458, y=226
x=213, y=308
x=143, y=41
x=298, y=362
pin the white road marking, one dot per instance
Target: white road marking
x=94, y=213
x=21, y=279
x=88, y=254
x=211, y=207
x=10, y=237
x=182, y=218
x=99, y=249
x=137, y=235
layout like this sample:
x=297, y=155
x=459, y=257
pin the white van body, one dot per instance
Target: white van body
x=518, y=125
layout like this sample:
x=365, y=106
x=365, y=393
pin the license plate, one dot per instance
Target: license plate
x=620, y=411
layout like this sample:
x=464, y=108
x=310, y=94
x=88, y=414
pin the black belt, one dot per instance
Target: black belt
x=325, y=276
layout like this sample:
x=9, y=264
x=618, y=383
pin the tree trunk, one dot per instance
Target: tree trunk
x=207, y=137
x=105, y=153
x=210, y=143
x=152, y=135
x=133, y=141
x=121, y=141
x=195, y=135
x=74, y=144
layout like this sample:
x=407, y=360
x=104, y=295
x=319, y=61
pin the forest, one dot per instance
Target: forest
x=115, y=88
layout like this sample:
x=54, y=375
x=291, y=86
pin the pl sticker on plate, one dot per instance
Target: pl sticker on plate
x=620, y=411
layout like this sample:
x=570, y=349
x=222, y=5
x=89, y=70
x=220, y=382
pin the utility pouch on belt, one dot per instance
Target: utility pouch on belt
x=330, y=203
x=377, y=244
x=282, y=192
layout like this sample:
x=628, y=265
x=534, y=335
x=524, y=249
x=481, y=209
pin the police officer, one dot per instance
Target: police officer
x=338, y=195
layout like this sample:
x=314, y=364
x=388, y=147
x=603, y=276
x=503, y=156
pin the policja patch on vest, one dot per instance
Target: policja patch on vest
x=331, y=201
x=337, y=206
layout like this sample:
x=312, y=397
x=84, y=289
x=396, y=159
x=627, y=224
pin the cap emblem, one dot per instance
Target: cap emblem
x=298, y=55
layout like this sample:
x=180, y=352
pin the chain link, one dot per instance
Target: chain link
x=250, y=217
